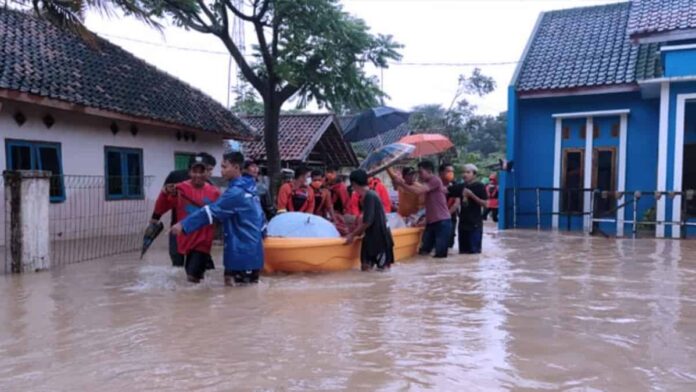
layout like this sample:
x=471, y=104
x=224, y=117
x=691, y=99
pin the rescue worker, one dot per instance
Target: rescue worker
x=297, y=196
x=339, y=191
x=323, y=205
x=239, y=211
x=492, y=192
x=169, y=187
x=190, y=196
x=375, y=185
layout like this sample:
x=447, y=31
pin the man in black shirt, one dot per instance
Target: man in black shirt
x=473, y=197
x=175, y=177
x=377, y=250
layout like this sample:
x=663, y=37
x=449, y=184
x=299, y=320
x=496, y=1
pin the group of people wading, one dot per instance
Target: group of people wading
x=358, y=210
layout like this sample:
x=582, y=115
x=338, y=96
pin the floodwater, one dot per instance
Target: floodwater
x=536, y=311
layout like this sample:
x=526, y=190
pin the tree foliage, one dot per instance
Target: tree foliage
x=306, y=50
x=70, y=14
x=478, y=138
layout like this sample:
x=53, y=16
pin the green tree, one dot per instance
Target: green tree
x=246, y=101
x=306, y=50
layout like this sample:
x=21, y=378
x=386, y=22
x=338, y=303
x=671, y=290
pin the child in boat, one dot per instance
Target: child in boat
x=239, y=211
x=377, y=250
x=189, y=197
x=323, y=206
x=296, y=195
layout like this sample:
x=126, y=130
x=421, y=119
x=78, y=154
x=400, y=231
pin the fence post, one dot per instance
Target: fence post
x=636, y=199
x=538, y=208
x=514, y=208
x=27, y=194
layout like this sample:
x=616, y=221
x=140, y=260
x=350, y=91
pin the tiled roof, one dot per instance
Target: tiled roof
x=38, y=58
x=583, y=48
x=301, y=134
x=658, y=16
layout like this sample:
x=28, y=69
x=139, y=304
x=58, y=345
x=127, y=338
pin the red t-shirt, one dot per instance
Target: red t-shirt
x=378, y=187
x=188, y=200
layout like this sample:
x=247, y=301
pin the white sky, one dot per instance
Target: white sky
x=433, y=31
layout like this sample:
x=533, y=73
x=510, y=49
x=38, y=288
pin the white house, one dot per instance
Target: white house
x=107, y=124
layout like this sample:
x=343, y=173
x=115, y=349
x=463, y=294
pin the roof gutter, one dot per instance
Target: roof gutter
x=623, y=88
x=527, y=47
x=653, y=38
x=22, y=97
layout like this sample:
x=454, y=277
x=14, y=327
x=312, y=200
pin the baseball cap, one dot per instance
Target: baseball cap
x=202, y=158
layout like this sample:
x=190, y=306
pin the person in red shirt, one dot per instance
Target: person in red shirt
x=492, y=192
x=375, y=185
x=339, y=191
x=297, y=195
x=323, y=205
x=191, y=196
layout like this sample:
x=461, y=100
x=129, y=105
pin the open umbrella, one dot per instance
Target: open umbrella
x=428, y=144
x=301, y=225
x=385, y=157
x=152, y=231
x=374, y=122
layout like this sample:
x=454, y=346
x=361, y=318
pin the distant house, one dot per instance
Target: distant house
x=604, y=98
x=312, y=139
x=98, y=116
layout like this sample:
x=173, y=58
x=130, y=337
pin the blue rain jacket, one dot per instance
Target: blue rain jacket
x=239, y=211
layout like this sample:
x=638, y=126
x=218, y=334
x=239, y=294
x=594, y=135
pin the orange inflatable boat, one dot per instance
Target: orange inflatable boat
x=329, y=254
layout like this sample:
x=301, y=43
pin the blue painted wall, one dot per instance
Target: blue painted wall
x=534, y=149
x=675, y=90
x=679, y=62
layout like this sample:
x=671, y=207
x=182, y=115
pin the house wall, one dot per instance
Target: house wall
x=83, y=139
x=534, y=148
x=680, y=62
x=678, y=134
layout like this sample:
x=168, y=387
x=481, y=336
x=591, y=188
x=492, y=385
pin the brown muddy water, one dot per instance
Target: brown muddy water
x=536, y=311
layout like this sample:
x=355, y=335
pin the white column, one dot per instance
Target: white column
x=28, y=195
x=679, y=161
x=587, y=196
x=621, y=186
x=662, y=157
x=557, y=173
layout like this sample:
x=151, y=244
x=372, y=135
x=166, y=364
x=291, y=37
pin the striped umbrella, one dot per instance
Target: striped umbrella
x=386, y=156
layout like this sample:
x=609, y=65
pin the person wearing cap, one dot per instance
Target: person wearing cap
x=472, y=198
x=188, y=197
x=377, y=247
x=175, y=177
x=239, y=212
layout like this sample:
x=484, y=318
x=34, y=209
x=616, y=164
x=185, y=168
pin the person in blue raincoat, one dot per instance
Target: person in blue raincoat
x=239, y=211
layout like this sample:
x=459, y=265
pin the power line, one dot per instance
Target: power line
x=399, y=63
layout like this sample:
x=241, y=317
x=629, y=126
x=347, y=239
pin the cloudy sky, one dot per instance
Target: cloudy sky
x=441, y=39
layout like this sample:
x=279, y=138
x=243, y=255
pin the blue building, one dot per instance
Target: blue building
x=603, y=104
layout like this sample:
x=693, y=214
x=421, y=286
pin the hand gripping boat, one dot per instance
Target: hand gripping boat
x=329, y=254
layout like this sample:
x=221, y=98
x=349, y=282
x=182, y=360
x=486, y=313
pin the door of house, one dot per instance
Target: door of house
x=604, y=179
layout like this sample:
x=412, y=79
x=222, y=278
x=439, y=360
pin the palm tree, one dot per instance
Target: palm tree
x=70, y=14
